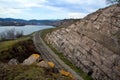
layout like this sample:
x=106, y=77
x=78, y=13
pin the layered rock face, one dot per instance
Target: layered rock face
x=93, y=43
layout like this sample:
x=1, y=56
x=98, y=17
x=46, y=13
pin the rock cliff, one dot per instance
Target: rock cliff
x=93, y=43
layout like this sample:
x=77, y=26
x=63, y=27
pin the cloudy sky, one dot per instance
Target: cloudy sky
x=48, y=9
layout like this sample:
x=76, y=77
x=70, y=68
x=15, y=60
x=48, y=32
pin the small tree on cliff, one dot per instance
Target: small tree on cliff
x=113, y=1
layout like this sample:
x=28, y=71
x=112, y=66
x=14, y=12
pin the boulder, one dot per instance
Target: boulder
x=43, y=64
x=33, y=58
x=13, y=61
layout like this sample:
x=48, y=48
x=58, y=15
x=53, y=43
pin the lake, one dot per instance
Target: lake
x=28, y=29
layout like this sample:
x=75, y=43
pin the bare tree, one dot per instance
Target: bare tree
x=113, y=1
x=10, y=34
x=2, y=36
x=19, y=34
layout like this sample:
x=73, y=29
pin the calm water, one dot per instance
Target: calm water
x=26, y=29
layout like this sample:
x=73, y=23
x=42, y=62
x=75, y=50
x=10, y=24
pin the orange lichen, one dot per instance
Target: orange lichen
x=36, y=55
x=51, y=64
x=65, y=73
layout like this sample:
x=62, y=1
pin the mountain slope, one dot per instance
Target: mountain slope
x=93, y=43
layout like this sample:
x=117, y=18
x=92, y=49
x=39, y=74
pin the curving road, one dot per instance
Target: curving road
x=47, y=54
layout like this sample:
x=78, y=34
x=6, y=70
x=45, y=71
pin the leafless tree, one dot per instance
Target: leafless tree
x=10, y=34
x=2, y=36
x=19, y=34
x=113, y=1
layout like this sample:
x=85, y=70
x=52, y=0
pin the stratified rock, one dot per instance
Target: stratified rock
x=13, y=61
x=93, y=43
x=33, y=58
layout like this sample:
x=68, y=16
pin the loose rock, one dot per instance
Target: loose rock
x=43, y=64
x=33, y=58
x=13, y=61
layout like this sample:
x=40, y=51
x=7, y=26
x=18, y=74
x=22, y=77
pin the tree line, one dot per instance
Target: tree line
x=10, y=34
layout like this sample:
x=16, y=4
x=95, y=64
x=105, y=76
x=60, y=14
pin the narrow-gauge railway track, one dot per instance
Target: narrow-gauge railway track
x=45, y=53
x=48, y=55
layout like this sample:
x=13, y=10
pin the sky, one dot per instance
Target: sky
x=48, y=9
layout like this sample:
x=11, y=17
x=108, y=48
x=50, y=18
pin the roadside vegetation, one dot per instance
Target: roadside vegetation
x=84, y=75
x=21, y=49
x=46, y=31
x=4, y=45
x=25, y=72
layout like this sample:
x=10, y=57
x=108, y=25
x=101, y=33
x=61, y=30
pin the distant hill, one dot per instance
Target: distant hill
x=22, y=22
x=43, y=22
x=12, y=22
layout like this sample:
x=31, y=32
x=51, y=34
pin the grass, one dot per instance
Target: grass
x=16, y=49
x=31, y=72
x=45, y=31
x=4, y=45
x=21, y=49
x=84, y=75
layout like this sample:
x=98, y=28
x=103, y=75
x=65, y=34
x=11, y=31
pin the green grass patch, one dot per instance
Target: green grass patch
x=45, y=31
x=4, y=45
x=20, y=49
x=84, y=75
